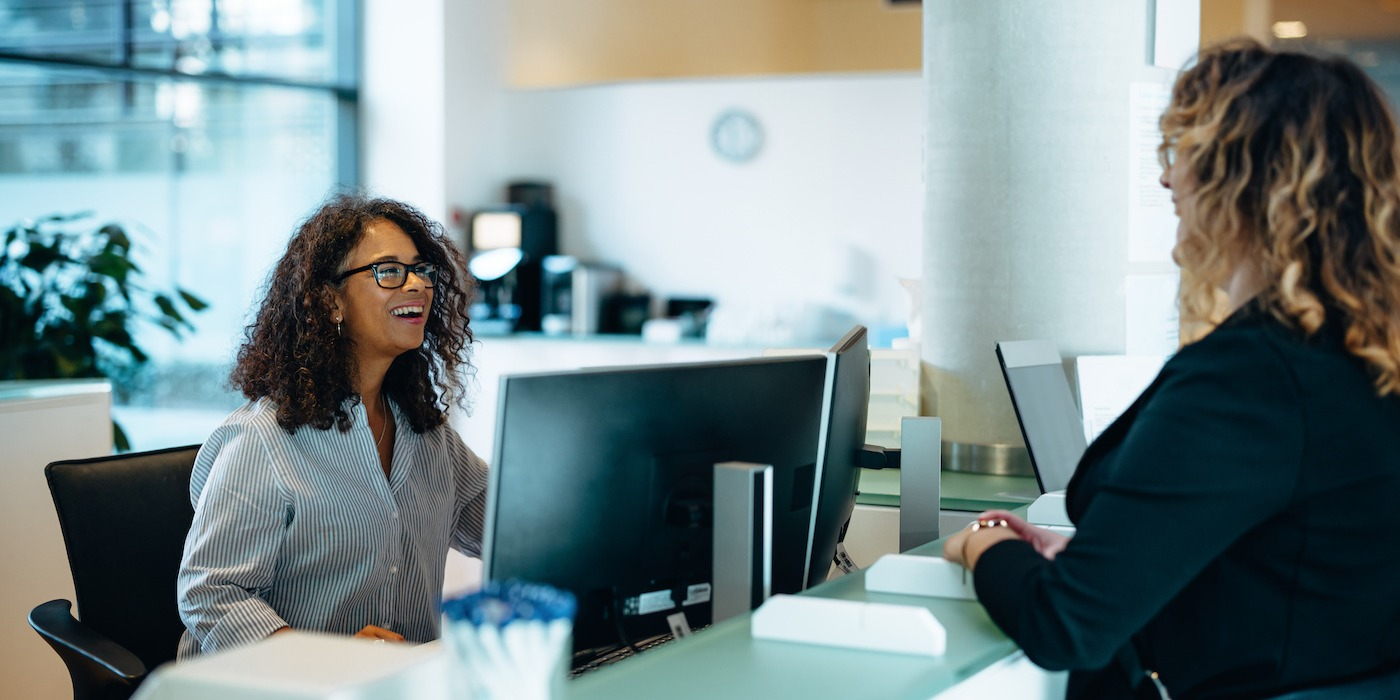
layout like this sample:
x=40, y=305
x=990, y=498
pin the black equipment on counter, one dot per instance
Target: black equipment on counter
x=507, y=245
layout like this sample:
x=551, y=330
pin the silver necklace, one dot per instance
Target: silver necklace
x=384, y=428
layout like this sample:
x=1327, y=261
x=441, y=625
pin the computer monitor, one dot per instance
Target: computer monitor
x=1045, y=409
x=844, y=409
x=602, y=479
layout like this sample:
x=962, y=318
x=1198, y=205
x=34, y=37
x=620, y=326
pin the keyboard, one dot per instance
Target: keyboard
x=591, y=660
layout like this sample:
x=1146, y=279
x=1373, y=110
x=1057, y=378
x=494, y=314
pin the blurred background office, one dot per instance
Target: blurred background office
x=210, y=127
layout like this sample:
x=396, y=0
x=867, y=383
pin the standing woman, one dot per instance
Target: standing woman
x=1233, y=526
x=328, y=501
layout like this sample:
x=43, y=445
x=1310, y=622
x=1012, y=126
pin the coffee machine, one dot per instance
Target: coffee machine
x=507, y=245
x=578, y=296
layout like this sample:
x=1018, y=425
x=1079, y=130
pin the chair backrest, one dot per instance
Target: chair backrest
x=124, y=521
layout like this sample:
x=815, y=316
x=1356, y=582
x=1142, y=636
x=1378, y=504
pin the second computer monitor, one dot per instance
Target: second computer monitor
x=846, y=404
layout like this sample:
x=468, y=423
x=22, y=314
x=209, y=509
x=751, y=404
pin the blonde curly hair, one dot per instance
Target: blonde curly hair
x=1295, y=166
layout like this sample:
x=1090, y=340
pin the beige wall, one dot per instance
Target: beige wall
x=1333, y=19
x=1223, y=19
x=1341, y=19
x=570, y=42
x=865, y=35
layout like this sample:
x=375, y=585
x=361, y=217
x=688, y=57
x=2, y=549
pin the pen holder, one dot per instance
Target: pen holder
x=510, y=640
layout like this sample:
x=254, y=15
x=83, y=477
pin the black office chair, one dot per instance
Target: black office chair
x=124, y=521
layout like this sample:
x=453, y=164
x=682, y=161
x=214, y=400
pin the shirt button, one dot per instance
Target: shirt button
x=393, y=569
x=394, y=515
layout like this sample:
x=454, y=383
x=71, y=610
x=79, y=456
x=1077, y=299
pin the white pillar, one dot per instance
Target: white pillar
x=402, y=116
x=1026, y=201
x=434, y=103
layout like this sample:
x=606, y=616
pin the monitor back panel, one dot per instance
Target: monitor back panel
x=602, y=480
x=1045, y=409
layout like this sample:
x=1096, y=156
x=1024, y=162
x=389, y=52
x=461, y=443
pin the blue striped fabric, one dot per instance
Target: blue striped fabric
x=304, y=530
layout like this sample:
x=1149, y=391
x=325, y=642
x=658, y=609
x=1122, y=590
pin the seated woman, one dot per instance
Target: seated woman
x=328, y=501
x=1231, y=525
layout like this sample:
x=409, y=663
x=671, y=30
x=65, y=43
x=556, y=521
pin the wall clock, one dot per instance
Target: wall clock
x=736, y=136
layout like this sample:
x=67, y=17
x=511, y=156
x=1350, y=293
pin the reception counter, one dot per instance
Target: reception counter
x=721, y=661
x=726, y=661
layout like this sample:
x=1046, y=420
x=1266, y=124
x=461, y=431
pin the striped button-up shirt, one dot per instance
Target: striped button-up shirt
x=304, y=530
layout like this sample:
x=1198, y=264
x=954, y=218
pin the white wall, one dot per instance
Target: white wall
x=827, y=216
x=829, y=213
x=402, y=106
x=432, y=129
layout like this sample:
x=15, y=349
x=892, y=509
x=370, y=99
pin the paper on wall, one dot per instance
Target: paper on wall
x=1151, y=216
x=1108, y=385
x=1153, y=322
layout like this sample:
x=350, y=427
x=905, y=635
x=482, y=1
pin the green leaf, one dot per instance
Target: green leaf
x=95, y=292
x=167, y=307
x=67, y=367
x=62, y=218
x=41, y=256
x=116, y=317
x=192, y=301
x=80, y=307
x=113, y=332
x=111, y=265
x=117, y=240
x=119, y=439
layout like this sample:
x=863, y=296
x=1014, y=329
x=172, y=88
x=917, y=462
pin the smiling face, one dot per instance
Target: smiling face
x=383, y=323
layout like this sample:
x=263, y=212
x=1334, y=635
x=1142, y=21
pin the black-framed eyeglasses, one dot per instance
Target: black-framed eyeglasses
x=392, y=275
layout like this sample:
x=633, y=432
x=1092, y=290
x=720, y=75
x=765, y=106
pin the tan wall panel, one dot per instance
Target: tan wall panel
x=1221, y=19
x=569, y=42
x=1342, y=19
x=866, y=35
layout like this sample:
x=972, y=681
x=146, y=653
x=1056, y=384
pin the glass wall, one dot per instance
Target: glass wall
x=207, y=129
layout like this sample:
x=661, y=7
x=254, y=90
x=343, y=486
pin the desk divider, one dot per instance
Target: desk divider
x=921, y=452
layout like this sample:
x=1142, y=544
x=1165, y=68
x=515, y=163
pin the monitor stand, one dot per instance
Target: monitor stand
x=921, y=453
x=742, y=573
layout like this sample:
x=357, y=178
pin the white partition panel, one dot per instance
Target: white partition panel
x=40, y=422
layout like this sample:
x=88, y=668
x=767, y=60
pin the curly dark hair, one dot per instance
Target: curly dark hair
x=293, y=355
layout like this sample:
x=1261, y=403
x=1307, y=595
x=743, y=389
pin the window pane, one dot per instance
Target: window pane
x=209, y=179
x=208, y=129
x=283, y=39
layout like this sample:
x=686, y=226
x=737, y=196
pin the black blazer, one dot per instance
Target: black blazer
x=1236, y=528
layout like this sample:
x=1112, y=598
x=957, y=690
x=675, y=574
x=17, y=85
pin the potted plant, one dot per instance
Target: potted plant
x=71, y=297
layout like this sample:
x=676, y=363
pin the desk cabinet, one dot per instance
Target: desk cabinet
x=40, y=422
